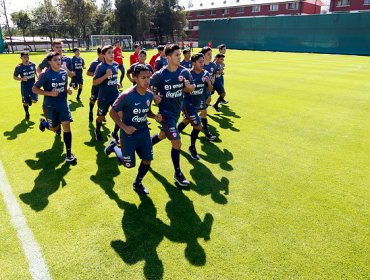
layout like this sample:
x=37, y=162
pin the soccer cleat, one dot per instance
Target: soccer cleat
x=71, y=158
x=181, y=180
x=41, y=126
x=91, y=117
x=98, y=135
x=30, y=103
x=216, y=108
x=139, y=188
x=210, y=137
x=115, y=136
x=27, y=117
x=110, y=147
x=193, y=153
x=223, y=102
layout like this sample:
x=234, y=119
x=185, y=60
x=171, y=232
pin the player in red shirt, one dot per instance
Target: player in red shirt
x=134, y=57
x=154, y=57
x=118, y=57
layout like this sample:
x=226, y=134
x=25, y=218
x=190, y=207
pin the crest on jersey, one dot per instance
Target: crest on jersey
x=181, y=78
x=31, y=67
x=174, y=134
x=64, y=77
x=148, y=102
x=128, y=164
x=212, y=69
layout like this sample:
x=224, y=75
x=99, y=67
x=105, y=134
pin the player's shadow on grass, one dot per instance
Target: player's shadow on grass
x=214, y=155
x=20, y=128
x=185, y=224
x=107, y=166
x=73, y=105
x=224, y=118
x=144, y=232
x=50, y=178
x=205, y=183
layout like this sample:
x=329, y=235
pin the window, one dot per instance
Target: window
x=240, y=10
x=275, y=7
x=292, y=6
x=225, y=11
x=200, y=13
x=212, y=12
x=366, y=2
x=343, y=3
x=256, y=8
x=224, y=2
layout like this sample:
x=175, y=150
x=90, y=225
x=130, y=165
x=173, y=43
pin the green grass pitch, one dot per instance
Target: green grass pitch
x=283, y=194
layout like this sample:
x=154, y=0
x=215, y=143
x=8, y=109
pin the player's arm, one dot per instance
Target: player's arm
x=209, y=83
x=189, y=85
x=117, y=118
x=100, y=77
x=39, y=91
x=129, y=75
x=157, y=117
x=16, y=76
x=90, y=71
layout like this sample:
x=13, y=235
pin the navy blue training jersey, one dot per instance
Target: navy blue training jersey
x=170, y=86
x=186, y=64
x=64, y=59
x=108, y=88
x=93, y=65
x=160, y=62
x=26, y=71
x=194, y=98
x=77, y=65
x=135, y=108
x=211, y=68
x=219, y=78
x=49, y=80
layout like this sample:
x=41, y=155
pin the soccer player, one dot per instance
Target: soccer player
x=191, y=46
x=119, y=59
x=130, y=112
x=222, y=50
x=195, y=100
x=161, y=61
x=78, y=64
x=186, y=62
x=170, y=83
x=106, y=77
x=130, y=71
x=94, y=89
x=57, y=46
x=154, y=57
x=54, y=82
x=211, y=68
x=25, y=73
x=219, y=81
x=134, y=57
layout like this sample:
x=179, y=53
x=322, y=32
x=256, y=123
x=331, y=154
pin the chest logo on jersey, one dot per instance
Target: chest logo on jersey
x=212, y=69
x=181, y=78
x=64, y=77
x=31, y=67
x=148, y=102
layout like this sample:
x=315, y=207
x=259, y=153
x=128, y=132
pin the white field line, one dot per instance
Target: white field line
x=37, y=265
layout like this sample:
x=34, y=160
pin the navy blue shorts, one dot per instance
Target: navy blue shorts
x=206, y=94
x=169, y=126
x=103, y=106
x=76, y=80
x=94, y=93
x=219, y=87
x=140, y=143
x=191, y=114
x=28, y=95
x=55, y=115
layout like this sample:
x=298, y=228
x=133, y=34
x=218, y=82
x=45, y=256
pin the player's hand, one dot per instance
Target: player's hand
x=157, y=98
x=119, y=86
x=54, y=92
x=130, y=130
x=189, y=87
x=24, y=79
x=158, y=117
x=69, y=91
x=108, y=73
x=212, y=79
x=72, y=73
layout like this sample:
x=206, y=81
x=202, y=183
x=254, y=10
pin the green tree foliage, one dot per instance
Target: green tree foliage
x=23, y=21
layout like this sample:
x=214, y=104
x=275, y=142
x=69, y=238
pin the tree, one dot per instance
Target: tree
x=4, y=12
x=46, y=18
x=22, y=20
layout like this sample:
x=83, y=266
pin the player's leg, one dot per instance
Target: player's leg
x=204, y=120
x=65, y=119
x=181, y=126
x=93, y=98
x=103, y=107
x=122, y=69
x=162, y=134
x=221, y=92
x=145, y=151
x=194, y=119
x=26, y=101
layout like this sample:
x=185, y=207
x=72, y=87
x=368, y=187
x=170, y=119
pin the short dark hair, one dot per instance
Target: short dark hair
x=98, y=50
x=75, y=49
x=204, y=50
x=136, y=45
x=51, y=55
x=160, y=47
x=169, y=49
x=195, y=57
x=106, y=48
x=116, y=42
x=142, y=51
x=24, y=53
x=221, y=46
x=185, y=51
x=219, y=55
x=139, y=68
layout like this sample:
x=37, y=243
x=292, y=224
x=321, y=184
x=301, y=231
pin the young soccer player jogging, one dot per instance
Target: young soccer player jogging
x=105, y=77
x=161, y=61
x=154, y=57
x=186, y=62
x=54, y=82
x=134, y=57
x=219, y=81
x=130, y=112
x=119, y=59
x=170, y=83
x=25, y=73
x=78, y=64
x=194, y=101
x=94, y=89
x=130, y=71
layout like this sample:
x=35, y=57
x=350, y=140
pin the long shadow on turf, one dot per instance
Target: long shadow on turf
x=144, y=232
x=205, y=183
x=185, y=224
x=50, y=177
x=224, y=118
x=73, y=105
x=20, y=128
x=215, y=155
